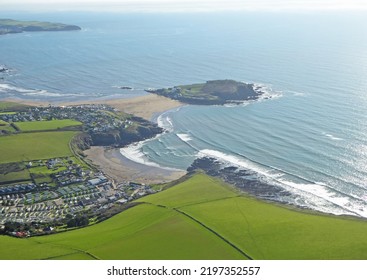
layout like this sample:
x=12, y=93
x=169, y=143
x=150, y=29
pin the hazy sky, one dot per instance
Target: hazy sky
x=181, y=5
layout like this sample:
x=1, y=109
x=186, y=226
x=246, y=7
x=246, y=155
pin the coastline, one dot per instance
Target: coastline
x=145, y=106
x=122, y=169
x=117, y=166
x=110, y=160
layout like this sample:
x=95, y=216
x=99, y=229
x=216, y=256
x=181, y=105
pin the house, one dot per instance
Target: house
x=22, y=234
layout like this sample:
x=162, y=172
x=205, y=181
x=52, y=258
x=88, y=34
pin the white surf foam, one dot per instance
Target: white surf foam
x=318, y=196
x=267, y=91
x=332, y=137
x=135, y=153
x=297, y=93
x=32, y=92
x=319, y=192
x=184, y=137
x=164, y=121
x=236, y=161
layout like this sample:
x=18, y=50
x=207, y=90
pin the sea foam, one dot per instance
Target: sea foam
x=314, y=195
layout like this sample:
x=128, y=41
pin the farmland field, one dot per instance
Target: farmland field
x=32, y=146
x=46, y=125
x=202, y=218
x=142, y=232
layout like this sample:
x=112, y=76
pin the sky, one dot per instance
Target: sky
x=180, y=5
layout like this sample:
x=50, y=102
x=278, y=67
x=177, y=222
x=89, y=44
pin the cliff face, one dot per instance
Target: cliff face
x=125, y=137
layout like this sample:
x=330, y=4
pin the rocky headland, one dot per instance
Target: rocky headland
x=217, y=92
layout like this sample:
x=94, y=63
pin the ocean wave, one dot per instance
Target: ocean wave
x=297, y=93
x=266, y=91
x=315, y=195
x=7, y=88
x=332, y=137
x=134, y=152
x=184, y=137
x=164, y=121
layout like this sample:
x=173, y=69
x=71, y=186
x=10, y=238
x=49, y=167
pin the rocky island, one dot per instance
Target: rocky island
x=9, y=26
x=217, y=92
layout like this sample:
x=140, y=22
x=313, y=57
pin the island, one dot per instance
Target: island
x=9, y=26
x=217, y=92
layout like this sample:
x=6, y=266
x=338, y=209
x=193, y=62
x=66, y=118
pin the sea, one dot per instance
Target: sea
x=309, y=137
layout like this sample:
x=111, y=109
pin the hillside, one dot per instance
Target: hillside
x=201, y=218
x=8, y=26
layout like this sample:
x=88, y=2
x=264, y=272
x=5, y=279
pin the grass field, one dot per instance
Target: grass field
x=6, y=126
x=142, y=232
x=46, y=125
x=202, y=218
x=32, y=146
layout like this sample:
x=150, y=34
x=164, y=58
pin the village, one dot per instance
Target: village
x=63, y=190
x=95, y=118
x=73, y=191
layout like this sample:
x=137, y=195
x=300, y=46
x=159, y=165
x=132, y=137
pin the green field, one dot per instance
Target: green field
x=202, y=218
x=46, y=125
x=142, y=232
x=32, y=146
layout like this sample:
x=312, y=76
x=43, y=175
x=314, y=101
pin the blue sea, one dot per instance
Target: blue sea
x=310, y=138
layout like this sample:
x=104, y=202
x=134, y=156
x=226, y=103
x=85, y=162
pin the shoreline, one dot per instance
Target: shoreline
x=109, y=159
x=145, y=106
x=123, y=170
x=119, y=167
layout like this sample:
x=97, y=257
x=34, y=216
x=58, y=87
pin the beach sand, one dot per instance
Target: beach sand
x=146, y=106
x=121, y=169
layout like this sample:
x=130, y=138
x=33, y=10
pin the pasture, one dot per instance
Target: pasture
x=33, y=146
x=46, y=125
x=202, y=218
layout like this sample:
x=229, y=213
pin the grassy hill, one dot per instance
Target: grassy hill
x=202, y=218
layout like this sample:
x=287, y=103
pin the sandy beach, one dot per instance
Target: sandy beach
x=146, y=106
x=121, y=169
